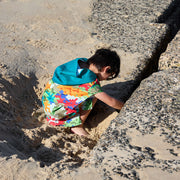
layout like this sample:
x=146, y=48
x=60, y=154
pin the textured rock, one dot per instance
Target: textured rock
x=151, y=114
x=126, y=24
x=171, y=57
x=143, y=27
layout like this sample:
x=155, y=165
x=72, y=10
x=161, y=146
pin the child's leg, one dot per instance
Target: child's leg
x=83, y=115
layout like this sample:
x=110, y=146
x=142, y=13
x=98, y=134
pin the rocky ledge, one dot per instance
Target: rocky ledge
x=146, y=134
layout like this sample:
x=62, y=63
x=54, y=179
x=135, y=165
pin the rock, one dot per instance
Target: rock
x=141, y=27
x=144, y=139
x=149, y=121
x=171, y=57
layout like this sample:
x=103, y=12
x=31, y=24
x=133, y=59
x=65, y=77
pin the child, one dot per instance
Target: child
x=72, y=92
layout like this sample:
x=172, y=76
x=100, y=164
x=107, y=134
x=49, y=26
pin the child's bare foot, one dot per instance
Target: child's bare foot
x=79, y=130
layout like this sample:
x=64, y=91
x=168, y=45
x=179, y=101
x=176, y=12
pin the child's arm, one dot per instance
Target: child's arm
x=102, y=96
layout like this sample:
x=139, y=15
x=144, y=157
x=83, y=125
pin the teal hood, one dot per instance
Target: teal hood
x=71, y=74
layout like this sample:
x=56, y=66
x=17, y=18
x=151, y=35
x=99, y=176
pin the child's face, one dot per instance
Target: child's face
x=103, y=75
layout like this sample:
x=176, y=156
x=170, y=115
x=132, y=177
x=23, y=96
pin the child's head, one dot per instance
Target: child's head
x=106, y=58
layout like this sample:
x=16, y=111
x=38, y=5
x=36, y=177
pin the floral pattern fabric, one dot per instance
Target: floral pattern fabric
x=62, y=104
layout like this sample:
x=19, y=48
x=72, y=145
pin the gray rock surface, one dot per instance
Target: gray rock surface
x=129, y=24
x=143, y=142
x=143, y=27
x=171, y=58
x=152, y=110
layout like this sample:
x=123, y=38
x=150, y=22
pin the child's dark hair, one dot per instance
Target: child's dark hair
x=106, y=57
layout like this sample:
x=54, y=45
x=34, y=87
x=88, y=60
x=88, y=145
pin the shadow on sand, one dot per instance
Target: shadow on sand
x=121, y=91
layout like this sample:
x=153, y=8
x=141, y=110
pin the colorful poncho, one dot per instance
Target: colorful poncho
x=63, y=103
